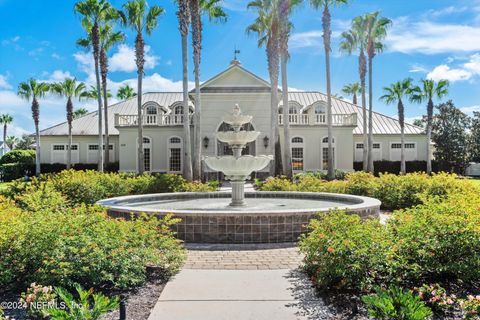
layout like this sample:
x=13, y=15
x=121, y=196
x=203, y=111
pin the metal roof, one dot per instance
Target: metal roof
x=382, y=124
x=88, y=124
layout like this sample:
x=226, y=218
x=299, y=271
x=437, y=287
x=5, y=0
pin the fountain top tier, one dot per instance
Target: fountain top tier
x=236, y=119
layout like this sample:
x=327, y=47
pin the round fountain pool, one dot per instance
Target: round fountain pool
x=268, y=217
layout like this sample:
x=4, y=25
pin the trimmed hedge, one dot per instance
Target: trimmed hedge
x=385, y=166
x=87, y=187
x=394, y=191
x=16, y=164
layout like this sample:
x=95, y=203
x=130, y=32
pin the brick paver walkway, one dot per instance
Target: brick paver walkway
x=243, y=257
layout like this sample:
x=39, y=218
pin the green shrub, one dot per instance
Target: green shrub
x=82, y=245
x=278, y=184
x=19, y=156
x=87, y=187
x=396, y=304
x=344, y=252
x=434, y=242
x=360, y=183
x=82, y=309
x=38, y=196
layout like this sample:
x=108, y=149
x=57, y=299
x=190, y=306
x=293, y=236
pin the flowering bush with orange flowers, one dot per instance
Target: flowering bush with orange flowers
x=82, y=245
x=344, y=252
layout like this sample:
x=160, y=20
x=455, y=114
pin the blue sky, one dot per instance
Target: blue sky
x=436, y=39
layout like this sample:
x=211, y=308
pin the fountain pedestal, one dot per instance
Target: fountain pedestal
x=238, y=194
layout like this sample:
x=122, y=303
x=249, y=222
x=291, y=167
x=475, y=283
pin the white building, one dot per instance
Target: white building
x=163, y=132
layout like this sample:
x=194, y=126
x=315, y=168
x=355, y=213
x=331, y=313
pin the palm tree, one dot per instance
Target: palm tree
x=352, y=90
x=5, y=119
x=80, y=112
x=94, y=13
x=395, y=94
x=267, y=29
x=141, y=18
x=33, y=90
x=327, y=33
x=428, y=91
x=70, y=89
x=285, y=8
x=214, y=12
x=126, y=92
x=376, y=31
x=11, y=142
x=108, y=39
x=183, y=15
x=92, y=93
x=356, y=39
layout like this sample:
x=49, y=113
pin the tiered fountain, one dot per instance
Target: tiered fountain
x=237, y=168
x=265, y=217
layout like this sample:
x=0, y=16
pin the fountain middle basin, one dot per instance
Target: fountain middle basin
x=268, y=217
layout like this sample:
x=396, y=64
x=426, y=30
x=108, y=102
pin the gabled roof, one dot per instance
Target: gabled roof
x=235, y=77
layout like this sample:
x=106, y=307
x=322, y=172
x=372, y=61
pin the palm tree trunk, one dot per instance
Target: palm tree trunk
x=5, y=146
x=36, y=119
x=197, y=47
x=273, y=66
x=287, y=154
x=326, y=20
x=363, y=71
x=70, y=138
x=104, y=72
x=197, y=160
x=429, y=135
x=139, y=50
x=370, y=116
x=355, y=99
x=96, y=45
x=187, y=166
x=401, y=118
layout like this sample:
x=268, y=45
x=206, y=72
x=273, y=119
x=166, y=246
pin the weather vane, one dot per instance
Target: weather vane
x=237, y=51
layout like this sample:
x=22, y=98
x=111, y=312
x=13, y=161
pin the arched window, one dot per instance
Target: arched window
x=178, y=110
x=146, y=140
x=147, y=153
x=325, y=152
x=175, y=140
x=175, y=154
x=319, y=109
x=151, y=109
x=292, y=109
x=297, y=154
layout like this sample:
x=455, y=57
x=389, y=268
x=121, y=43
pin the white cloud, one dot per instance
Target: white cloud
x=461, y=72
x=152, y=83
x=124, y=59
x=470, y=110
x=446, y=11
x=429, y=37
x=4, y=83
x=445, y=72
x=56, y=56
x=57, y=75
x=306, y=39
x=84, y=61
x=417, y=68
